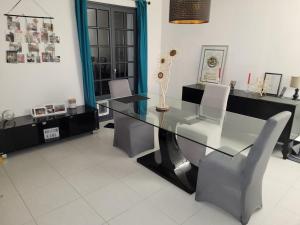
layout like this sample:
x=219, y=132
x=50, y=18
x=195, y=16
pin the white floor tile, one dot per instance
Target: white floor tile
x=57, y=151
x=281, y=216
x=112, y=200
x=273, y=192
x=145, y=182
x=6, y=187
x=121, y=168
x=28, y=179
x=210, y=215
x=291, y=201
x=90, y=180
x=74, y=163
x=43, y=200
x=142, y=214
x=175, y=203
x=13, y=211
x=75, y=213
x=30, y=223
x=120, y=190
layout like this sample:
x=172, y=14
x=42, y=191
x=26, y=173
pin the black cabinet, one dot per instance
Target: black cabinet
x=25, y=131
x=252, y=104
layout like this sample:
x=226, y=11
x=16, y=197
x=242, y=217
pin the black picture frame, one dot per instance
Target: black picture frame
x=272, y=84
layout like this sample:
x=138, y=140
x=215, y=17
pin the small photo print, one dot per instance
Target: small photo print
x=54, y=39
x=57, y=59
x=30, y=58
x=47, y=57
x=29, y=37
x=48, y=26
x=38, y=59
x=10, y=37
x=50, y=109
x=36, y=37
x=59, y=108
x=33, y=25
x=15, y=47
x=33, y=47
x=45, y=37
x=21, y=58
x=11, y=57
x=50, y=48
x=18, y=36
x=13, y=25
x=40, y=111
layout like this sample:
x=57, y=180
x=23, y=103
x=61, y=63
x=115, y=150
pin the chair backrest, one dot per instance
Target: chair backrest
x=262, y=149
x=215, y=96
x=119, y=88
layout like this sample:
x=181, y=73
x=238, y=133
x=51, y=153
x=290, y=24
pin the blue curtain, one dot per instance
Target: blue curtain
x=85, y=52
x=142, y=46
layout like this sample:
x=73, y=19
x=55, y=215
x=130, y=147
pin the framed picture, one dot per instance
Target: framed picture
x=39, y=112
x=272, y=82
x=49, y=110
x=212, y=64
x=102, y=110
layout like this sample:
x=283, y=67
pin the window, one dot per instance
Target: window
x=112, y=31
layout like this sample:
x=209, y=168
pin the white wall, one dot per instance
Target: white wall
x=263, y=36
x=23, y=86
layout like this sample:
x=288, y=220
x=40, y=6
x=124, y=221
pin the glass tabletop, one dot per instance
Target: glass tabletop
x=218, y=130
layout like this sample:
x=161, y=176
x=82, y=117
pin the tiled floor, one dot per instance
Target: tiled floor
x=86, y=181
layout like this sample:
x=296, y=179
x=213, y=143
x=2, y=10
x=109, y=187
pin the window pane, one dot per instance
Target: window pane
x=120, y=37
x=96, y=71
x=103, y=18
x=131, y=84
x=130, y=38
x=130, y=54
x=105, y=88
x=103, y=37
x=91, y=17
x=104, y=55
x=131, y=69
x=119, y=20
x=93, y=36
x=120, y=54
x=121, y=71
x=94, y=53
x=97, y=89
x=105, y=71
x=129, y=21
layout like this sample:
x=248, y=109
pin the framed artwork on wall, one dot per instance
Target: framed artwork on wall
x=272, y=82
x=212, y=64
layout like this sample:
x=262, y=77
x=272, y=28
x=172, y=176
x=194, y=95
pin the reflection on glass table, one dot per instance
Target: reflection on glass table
x=190, y=122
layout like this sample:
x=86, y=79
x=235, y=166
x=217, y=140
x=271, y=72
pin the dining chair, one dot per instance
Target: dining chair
x=130, y=135
x=215, y=97
x=235, y=184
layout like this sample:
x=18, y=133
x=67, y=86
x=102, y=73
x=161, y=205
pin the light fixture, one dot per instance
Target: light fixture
x=189, y=11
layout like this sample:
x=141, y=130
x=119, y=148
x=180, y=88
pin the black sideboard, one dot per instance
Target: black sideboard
x=254, y=105
x=24, y=132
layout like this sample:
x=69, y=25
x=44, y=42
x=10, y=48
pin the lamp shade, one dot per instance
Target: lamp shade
x=189, y=11
x=295, y=82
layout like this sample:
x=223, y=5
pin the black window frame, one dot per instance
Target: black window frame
x=99, y=81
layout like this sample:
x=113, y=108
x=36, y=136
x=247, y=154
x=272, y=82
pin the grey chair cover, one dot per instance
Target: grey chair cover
x=215, y=96
x=130, y=135
x=235, y=184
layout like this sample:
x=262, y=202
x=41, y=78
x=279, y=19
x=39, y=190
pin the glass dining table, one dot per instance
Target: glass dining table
x=215, y=130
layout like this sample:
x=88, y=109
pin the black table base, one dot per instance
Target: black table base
x=172, y=166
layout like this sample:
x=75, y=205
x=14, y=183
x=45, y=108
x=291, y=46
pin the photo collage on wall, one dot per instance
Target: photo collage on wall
x=36, y=43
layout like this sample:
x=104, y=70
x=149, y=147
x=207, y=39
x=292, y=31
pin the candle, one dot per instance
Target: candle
x=249, y=78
